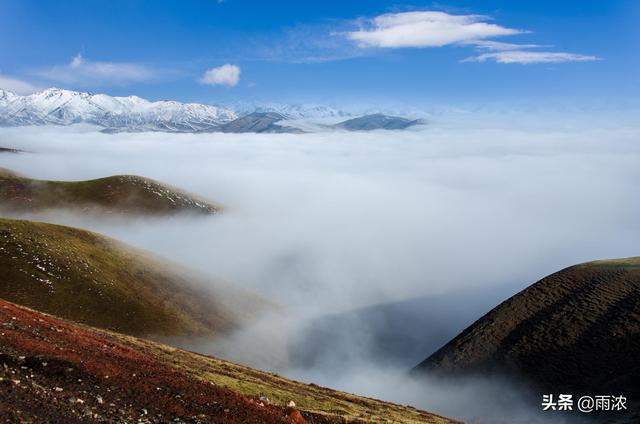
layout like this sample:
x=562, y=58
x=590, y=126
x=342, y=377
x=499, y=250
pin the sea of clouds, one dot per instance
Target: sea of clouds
x=330, y=222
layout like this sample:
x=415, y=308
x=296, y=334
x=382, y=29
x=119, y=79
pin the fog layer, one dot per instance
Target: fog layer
x=332, y=222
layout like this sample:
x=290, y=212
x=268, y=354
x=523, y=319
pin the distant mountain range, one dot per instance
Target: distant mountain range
x=258, y=122
x=291, y=111
x=63, y=107
x=55, y=106
x=378, y=121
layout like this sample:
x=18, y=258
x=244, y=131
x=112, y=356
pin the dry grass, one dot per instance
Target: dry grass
x=96, y=280
x=124, y=379
x=120, y=194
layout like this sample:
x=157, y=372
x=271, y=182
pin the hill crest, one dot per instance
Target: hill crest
x=119, y=194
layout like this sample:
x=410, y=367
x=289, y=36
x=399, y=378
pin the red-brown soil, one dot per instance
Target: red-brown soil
x=52, y=370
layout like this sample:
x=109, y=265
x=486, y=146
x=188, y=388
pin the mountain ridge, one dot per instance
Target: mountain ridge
x=377, y=121
x=55, y=106
x=258, y=122
x=291, y=111
x=112, y=195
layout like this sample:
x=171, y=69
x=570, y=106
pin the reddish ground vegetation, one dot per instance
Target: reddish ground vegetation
x=55, y=371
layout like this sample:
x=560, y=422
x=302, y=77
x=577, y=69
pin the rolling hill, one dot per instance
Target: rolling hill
x=575, y=331
x=55, y=371
x=120, y=194
x=92, y=279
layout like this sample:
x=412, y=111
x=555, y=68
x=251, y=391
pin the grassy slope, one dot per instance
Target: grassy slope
x=576, y=330
x=115, y=194
x=122, y=379
x=95, y=280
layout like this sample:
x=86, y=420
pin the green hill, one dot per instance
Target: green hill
x=92, y=279
x=120, y=194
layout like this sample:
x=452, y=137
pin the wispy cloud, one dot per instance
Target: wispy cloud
x=334, y=40
x=491, y=45
x=17, y=86
x=360, y=37
x=82, y=72
x=530, y=57
x=306, y=43
x=227, y=74
x=425, y=29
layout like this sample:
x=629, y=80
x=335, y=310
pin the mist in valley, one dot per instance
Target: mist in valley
x=379, y=247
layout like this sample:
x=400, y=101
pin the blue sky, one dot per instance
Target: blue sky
x=326, y=52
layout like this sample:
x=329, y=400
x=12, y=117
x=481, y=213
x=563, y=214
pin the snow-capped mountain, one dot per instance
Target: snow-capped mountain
x=63, y=107
x=55, y=106
x=290, y=111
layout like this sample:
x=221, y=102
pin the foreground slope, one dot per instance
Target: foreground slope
x=56, y=371
x=96, y=280
x=575, y=331
x=120, y=194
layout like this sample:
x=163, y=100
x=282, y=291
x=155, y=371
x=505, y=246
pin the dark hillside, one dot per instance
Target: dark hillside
x=575, y=331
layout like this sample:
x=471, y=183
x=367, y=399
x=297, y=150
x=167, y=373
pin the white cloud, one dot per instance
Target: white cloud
x=528, y=57
x=437, y=29
x=17, y=86
x=500, y=46
x=425, y=29
x=227, y=74
x=83, y=72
